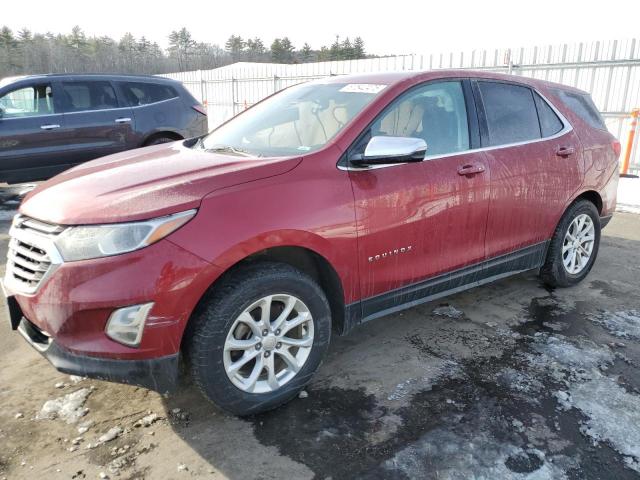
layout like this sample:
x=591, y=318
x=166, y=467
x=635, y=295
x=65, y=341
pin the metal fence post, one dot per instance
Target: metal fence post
x=233, y=94
x=203, y=88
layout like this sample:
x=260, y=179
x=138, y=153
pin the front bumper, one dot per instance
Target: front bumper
x=159, y=374
x=74, y=302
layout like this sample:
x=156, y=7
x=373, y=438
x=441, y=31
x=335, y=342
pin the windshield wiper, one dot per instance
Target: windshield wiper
x=229, y=149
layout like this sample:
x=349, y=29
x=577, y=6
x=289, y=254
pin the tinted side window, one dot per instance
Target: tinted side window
x=550, y=124
x=30, y=101
x=435, y=112
x=88, y=95
x=511, y=113
x=139, y=93
x=583, y=106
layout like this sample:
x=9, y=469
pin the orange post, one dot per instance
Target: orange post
x=632, y=132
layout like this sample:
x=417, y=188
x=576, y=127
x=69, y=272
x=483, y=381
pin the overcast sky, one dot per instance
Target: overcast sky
x=390, y=27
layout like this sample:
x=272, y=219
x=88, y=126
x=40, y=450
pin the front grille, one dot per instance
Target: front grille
x=29, y=255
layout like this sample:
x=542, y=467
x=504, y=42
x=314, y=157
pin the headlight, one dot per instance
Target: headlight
x=85, y=242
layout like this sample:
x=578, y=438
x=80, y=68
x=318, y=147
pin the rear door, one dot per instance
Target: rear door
x=98, y=122
x=33, y=140
x=418, y=220
x=535, y=162
x=156, y=107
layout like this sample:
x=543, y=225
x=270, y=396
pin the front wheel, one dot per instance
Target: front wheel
x=259, y=337
x=574, y=246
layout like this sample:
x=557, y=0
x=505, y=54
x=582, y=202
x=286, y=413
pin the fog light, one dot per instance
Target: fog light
x=126, y=324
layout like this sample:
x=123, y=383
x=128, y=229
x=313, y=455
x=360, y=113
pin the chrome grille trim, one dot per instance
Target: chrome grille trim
x=32, y=254
x=39, y=226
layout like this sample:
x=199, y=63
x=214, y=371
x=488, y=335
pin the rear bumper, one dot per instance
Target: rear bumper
x=605, y=220
x=159, y=374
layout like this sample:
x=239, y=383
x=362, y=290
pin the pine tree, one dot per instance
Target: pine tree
x=255, y=49
x=347, y=49
x=235, y=45
x=306, y=53
x=358, y=48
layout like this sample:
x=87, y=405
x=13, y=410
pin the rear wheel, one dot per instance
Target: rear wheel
x=159, y=140
x=258, y=339
x=574, y=246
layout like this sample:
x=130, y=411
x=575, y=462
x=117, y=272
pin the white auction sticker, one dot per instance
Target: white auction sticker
x=363, y=88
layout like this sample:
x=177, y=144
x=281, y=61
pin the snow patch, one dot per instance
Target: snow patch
x=446, y=455
x=448, y=311
x=519, y=381
x=613, y=416
x=69, y=408
x=583, y=355
x=110, y=435
x=624, y=324
x=434, y=373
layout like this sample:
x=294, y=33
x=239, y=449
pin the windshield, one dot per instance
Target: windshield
x=297, y=120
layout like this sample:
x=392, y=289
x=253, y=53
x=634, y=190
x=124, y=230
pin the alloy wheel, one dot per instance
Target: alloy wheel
x=268, y=343
x=577, y=246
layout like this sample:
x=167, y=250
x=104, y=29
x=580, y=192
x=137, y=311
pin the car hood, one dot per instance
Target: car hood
x=144, y=183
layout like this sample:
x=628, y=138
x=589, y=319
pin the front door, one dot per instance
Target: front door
x=418, y=220
x=33, y=140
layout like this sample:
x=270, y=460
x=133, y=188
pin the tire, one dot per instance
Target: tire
x=217, y=317
x=555, y=272
x=158, y=141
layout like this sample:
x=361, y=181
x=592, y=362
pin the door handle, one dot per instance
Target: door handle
x=50, y=126
x=470, y=169
x=564, y=152
x=123, y=120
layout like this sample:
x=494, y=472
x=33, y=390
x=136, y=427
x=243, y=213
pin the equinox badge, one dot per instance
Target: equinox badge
x=390, y=253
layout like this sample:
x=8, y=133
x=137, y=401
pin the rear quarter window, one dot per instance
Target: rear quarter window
x=583, y=107
x=550, y=123
x=141, y=93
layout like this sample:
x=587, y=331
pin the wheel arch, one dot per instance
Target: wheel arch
x=162, y=133
x=591, y=195
x=304, y=259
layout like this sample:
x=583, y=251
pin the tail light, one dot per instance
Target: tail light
x=200, y=109
x=617, y=148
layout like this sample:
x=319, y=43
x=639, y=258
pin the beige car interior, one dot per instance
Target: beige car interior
x=314, y=126
x=403, y=121
x=431, y=115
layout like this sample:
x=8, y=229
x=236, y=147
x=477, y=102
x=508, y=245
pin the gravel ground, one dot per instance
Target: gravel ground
x=510, y=381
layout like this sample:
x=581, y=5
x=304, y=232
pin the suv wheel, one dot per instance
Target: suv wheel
x=158, y=141
x=574, y=246
x=258, y=338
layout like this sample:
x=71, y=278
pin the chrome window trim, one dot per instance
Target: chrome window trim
x=4, y=119
x=97, y=110
x=121, y=108
x=91, y=111
x=567, y=127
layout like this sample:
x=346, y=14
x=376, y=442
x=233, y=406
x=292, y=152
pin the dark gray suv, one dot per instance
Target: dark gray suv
x=49, y=123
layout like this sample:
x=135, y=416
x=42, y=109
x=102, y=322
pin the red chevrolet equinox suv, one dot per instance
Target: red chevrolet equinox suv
x=324, y=206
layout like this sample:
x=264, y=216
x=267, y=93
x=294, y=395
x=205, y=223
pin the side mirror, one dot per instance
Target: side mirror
x=1, y=112
x=383, y=150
